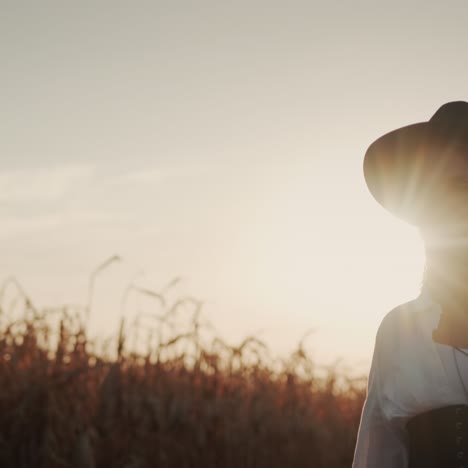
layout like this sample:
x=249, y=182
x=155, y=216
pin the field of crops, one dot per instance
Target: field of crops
x=187, y=400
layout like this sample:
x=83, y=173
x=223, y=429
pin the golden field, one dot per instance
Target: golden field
x=185, y=399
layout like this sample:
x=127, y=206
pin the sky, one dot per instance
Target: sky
x=222, y=143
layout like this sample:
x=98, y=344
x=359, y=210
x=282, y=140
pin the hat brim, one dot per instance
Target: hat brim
x=405, y=168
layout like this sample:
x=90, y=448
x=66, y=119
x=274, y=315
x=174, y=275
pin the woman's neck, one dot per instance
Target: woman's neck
x=446, y=272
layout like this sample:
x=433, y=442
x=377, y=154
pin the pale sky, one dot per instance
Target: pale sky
x=222, y=142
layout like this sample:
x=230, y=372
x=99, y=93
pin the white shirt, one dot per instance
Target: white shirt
x=409, y=374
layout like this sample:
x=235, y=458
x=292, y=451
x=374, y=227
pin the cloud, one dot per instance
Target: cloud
x=66, y=222
x=155, y=175
x=41, y=184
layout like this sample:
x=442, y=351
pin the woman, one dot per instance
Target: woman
x=416, y=410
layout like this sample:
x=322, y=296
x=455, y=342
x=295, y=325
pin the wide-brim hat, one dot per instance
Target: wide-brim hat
x=406, y=169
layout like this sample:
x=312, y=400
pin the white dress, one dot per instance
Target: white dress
x=409, y=374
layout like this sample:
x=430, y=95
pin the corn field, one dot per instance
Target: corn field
x=185, y=399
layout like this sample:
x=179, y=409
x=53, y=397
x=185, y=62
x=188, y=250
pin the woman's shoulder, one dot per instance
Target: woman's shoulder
x=403, y=319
